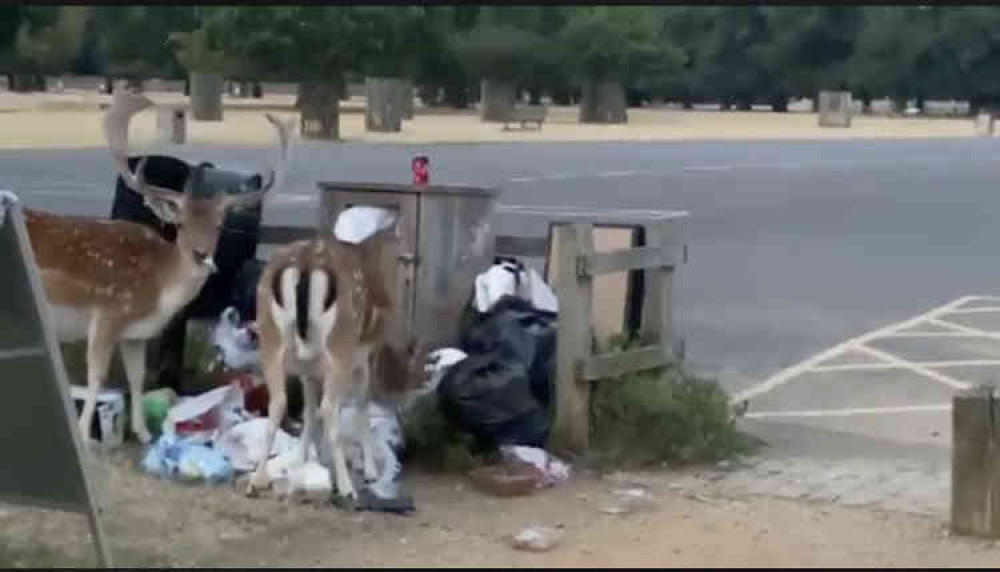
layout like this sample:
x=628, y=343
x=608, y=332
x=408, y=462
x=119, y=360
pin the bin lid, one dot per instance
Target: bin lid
x=488, y=192
x=591, y=214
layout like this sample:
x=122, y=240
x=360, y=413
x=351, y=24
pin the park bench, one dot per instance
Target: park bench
x=527, y=114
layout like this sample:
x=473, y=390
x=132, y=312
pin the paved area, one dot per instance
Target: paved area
x=794, y=247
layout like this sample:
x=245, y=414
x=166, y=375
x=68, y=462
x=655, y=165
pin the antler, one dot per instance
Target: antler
x=116, y=122
x=284, y=130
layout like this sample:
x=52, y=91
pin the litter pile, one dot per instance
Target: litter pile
x=495, y=385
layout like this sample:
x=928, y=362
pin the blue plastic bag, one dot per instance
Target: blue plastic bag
x=176, y=458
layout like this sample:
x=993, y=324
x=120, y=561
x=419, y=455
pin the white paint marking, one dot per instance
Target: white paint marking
x=609, y=174
x=787, y=374
x=850, y=412
x=884, y=366
x=980, y=310
x=915, y=334
x=964, y=329
x=936, y=376
x=707, y=168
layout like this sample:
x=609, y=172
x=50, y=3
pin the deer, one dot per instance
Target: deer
x=118, y=282
x=323, y=308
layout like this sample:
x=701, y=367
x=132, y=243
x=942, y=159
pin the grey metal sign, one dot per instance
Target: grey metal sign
x=40, y=445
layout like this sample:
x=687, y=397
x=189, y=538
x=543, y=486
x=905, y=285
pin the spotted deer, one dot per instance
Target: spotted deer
x=118, y=282
x=323, y=307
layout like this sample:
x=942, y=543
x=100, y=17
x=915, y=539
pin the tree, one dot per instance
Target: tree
x=728, y=64
x=312, y=45
x=47, y=39
x=608, y=47
x=206, y=64
x=389, y=61
x=807, y=49
x=134, y=40
x=502, y=54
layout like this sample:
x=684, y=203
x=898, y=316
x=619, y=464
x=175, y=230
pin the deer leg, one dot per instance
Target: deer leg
x=100, y=348
x=134, y=358
x=336, y=377
x=308, y=417
x=274, y=376
x=362, y=421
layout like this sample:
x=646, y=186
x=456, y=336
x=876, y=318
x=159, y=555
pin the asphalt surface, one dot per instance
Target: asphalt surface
x=793, y=246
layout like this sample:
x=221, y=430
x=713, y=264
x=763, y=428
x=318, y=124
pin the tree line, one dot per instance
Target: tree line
x=606, y=58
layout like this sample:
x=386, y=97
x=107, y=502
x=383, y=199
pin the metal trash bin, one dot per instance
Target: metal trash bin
x=447, y=240
x=237, y=245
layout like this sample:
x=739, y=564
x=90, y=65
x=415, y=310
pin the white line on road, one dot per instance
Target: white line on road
x=786, y=375
x=850, y=412
x=980, y=310
x=885, y=366
x=936, y=376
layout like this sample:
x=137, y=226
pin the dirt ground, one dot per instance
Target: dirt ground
x=158, y=523
x=73, y=121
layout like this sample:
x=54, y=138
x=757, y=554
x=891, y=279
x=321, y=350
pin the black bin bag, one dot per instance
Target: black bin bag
x=501, y=392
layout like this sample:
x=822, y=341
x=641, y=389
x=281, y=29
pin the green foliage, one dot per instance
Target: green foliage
x=668, y=414
x=498, y=51
x=434, y=443
x=622, y=43
x=45, y=38
x=195, y=52
x=290, y=43
x=391, y=39
x=134, y=39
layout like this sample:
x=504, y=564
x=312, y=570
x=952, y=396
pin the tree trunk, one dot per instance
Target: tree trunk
x=779, y=104
x=921, y=104
x=498, y=100
x=535, y=95
x=26, y=83
x=562, y=96
x=257, y=90
x=603, y=102
x=815, y=103
x=206, y=96
x=319, y=103
x=456, y=95
x=134, y=84
x=406, y=98
x=384, y=108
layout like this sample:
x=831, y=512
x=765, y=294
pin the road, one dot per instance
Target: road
x=793, y=246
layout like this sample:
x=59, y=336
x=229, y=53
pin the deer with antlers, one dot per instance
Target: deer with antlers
x=323, y=307
x=118, y=282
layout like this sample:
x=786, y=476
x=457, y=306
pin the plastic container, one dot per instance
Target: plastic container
x=155, y=405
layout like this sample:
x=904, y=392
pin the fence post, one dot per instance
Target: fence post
x=657, y=306
x=571, y=423
x=975, y=494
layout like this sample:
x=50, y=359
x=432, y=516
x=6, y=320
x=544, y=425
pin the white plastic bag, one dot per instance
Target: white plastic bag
x=355, y=224
x=243, y=444
x=552, y=470
x=507, y=278
x=206, y=416
x=387, y=441
x=236, y=342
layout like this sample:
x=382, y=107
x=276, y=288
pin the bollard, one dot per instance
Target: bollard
x=421, y=174
x=975, y=502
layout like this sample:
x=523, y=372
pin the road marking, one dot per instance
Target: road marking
x=979, y=310
x=787, y=374
x=936, y=376
x=851, y=412
x=707, y=169
x=885, y=366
